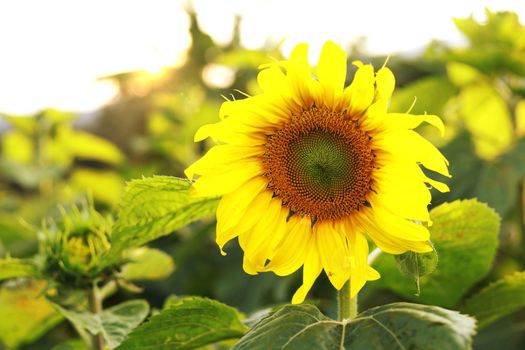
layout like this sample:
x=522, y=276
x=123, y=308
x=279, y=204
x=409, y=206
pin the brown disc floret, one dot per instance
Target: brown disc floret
x=320, y=164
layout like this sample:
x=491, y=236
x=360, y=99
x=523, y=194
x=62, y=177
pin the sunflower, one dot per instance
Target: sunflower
x=309, y=169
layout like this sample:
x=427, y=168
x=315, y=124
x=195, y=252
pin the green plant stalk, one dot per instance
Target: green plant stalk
x=346, y=306
x=95, y=307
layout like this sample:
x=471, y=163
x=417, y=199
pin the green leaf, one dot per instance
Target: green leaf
x=147, y=264
x=75, y=344
x=432, y=93
x=462, y=74
x=88, y=146
x=465, y=235
x=25, y=314
x=393, y=326
x=82, y=320
x=187, y=323
x=487, y=117
x=13, y=268
x=118, y=321
x=498, y=180
x=105, y=185
x=498, y=299
x=154, y=207
x=114, y=323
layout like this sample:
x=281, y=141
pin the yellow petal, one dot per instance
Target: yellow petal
x=260, y=242
x=232, y=208
x=311, y=270
x=272, y=80
x=227, y=179
x=409, y=145
x=333, y=250
x=385, y=83
x=299, y=72
x=221, y=156
x=232, y=131
x=440, y=186
x=409, y=121
x=257, y=111
x=386, y=241
x=403, y=198
x=398, y=226
x=361, y=272
x=291, y=253
x=331, y=72
x=360, y=94
x=252, y=215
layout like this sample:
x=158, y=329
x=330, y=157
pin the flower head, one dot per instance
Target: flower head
x=309, y=169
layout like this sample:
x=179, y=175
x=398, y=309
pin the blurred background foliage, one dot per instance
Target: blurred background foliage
x=52, y=158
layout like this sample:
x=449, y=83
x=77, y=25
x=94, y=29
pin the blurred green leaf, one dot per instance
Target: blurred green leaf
x=12, y=268
x=106, y=186
x=28, y=175
x=462, y=74
x=25, y=313
x=17, y=147
x=496, y=45
x=84, y=145
x=76, y=344
x=392, y=326
x=498, y=180
x=430, y=94
x=187, y=323
x=147, y=264
x=498, y=299
x=487, y=118
x=154, y=207
x=465, y=235
x=520, y=118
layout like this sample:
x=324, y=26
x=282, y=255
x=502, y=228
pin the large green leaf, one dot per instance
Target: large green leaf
x=393, y=326
x=498, y=299
x=154, y=207
x=465, y=236
x=25, y=314
x=114, y=323
x=12, y=268
x=147, y=264
x=187, y=323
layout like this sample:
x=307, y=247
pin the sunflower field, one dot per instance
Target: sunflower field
x=351, y=202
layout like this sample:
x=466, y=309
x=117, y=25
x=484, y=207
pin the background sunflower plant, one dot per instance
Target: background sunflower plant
x=320, y=208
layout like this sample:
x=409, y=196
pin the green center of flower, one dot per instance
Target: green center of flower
x=323, y=163
x=320, y=164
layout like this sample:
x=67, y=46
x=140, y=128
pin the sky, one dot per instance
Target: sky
x=53, y=52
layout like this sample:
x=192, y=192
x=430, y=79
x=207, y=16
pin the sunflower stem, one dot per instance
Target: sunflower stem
x=95, y=307
x=347, y=306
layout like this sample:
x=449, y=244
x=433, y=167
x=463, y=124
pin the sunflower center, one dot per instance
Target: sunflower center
x=320, y=164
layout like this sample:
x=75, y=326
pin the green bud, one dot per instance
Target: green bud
x=75, y=245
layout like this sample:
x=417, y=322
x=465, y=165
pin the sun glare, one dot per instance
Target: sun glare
x=54, y=53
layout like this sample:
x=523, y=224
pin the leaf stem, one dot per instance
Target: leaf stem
x=95, y=307
x=346, y=306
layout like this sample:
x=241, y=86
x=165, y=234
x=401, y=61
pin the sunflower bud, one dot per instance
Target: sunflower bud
x=75, y=245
